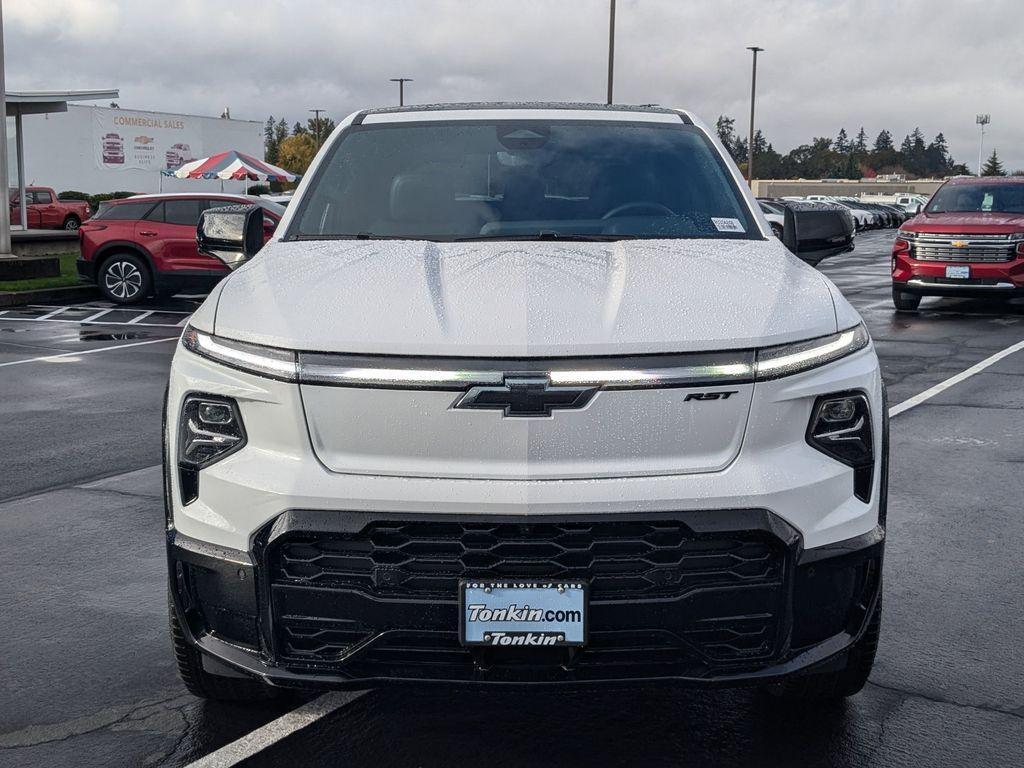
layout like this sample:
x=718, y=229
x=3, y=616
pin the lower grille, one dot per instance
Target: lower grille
x=619, y=559
x=664, y=598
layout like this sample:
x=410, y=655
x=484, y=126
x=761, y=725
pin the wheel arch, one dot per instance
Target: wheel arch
x=114, y=247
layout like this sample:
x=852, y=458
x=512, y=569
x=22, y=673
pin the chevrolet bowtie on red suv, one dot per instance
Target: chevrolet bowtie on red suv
x=968, y=241
x=145, y=245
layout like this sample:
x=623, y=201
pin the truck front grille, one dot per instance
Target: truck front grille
x=969, y=248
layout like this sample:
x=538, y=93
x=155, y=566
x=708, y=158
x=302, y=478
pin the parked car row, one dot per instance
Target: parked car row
x=866, y=215
x=146, y=245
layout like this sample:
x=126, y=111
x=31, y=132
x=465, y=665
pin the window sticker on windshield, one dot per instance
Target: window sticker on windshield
x=727, y=225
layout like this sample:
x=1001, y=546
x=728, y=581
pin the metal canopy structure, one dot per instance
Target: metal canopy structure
x=18, y=104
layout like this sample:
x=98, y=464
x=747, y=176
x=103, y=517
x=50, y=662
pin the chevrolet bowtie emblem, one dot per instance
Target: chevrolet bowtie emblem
x=959, y=243
x=526, y=396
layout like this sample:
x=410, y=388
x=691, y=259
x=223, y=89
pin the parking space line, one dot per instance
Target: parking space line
x=101, y=313
x=126, y=309
x=48, y=358
x=271, y=733
x=48, y=315
x=942, y=386
x=140, y=318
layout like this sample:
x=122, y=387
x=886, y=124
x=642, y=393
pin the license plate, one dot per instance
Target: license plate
x=960, y=273
x=522, y=613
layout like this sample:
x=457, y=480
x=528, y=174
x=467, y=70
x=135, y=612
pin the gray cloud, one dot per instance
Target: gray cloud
x=829, y=63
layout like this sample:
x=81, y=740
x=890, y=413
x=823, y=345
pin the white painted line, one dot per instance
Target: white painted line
x=48, y=315
x=271, y=733
x=139, y=318
x=48, y=358
x=942, y=386
x=4, y=311
x=97, y=322
x=92, y=318
x=163, y=311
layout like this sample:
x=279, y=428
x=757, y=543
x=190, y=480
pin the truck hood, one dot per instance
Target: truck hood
x=966, y=223
x=526, y=299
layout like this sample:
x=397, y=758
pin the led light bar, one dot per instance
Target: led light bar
x=636, y=372
x=787, y=359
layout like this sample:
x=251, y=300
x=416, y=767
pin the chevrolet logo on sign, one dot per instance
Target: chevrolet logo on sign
x=960, y=243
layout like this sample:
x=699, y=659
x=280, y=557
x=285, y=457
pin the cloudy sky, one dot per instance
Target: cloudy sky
x=829, y=63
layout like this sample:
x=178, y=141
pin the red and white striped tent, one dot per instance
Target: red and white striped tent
x=233, y=165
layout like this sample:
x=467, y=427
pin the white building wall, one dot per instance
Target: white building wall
x=61, y=148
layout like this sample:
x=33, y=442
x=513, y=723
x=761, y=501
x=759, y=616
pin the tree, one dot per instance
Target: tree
x=937, y=156
x=269, y=144
x=725, y=127
x=296, y=152
x=992, y=166
x=842, y=142
x=298, y=129
x=883, y=142
x=321, y=127
x=860, y=144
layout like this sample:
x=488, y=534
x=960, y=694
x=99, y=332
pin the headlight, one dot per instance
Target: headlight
x=787, y=359
x=209, y=429
x=274, y=363
x=840, y=427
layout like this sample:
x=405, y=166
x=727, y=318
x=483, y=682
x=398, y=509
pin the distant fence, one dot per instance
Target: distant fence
x=791, y=188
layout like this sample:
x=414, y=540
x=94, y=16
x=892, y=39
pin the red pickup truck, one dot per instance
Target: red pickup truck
x=47, y=211
x=968, y=241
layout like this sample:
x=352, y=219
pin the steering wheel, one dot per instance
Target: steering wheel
x=642, y=205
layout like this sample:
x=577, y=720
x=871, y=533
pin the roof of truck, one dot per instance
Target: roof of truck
x=529, y=110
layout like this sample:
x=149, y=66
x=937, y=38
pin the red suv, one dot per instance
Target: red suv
x=146, y=245
x=968, y=241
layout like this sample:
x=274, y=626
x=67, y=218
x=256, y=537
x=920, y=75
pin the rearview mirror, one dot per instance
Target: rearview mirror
x=233, y=234
x=814, y=232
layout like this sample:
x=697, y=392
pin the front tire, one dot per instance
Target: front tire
x=124, y=279
x=71, y=223
x=905, y=302
x=845, y=682
x=776, y=230
x=203, y=684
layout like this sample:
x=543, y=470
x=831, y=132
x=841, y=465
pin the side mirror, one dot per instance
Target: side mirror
x=815, y=232
x=233, y=234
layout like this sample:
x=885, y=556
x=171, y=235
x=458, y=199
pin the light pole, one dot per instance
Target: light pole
x=982, y=121
x=611, y=48
x=5, y=194
x=316, y=125
x=753, y=92
x=401, y=88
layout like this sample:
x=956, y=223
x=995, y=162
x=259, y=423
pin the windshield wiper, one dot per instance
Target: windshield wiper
x=548, y=235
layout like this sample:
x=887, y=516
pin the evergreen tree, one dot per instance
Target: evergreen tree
x=842, y=142
x=992, y=166
x=280, y=132
x=269, y=143
x=860, y=144
x=937, y=157
x=883, y=142
x=299, y=129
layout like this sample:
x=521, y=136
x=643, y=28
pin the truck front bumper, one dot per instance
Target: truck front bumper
x=348, y=600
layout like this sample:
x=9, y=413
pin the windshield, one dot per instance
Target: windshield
x=978, y=198
x=522, y=180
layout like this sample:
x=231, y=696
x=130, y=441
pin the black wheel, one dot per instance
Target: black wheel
x=201, y=683
x=905, y=302
x=124, y=278
x=777, y=230
x=842, y=683
x=71, y=223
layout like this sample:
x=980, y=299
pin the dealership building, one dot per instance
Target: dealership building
x=99, y=149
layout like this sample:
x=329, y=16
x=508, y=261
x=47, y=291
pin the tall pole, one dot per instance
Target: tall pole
x=5, y=193
x=401, y=88
x=316, y=125
x=982, y=121
x=611, y=49
x=753, y=93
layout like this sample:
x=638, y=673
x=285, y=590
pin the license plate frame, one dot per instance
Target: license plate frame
x=545, y=596
x=958, y=272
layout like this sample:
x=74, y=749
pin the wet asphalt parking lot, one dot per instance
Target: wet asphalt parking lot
x=87, y=678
